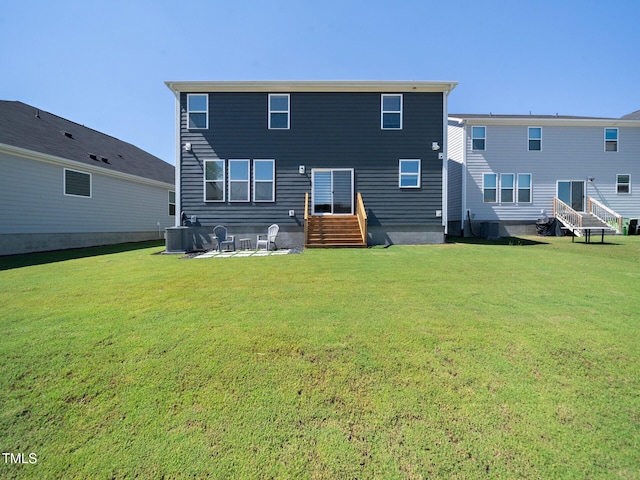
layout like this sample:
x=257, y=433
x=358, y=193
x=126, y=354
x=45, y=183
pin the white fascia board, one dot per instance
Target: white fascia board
x=549, y=122
x=43, y=157
x=311, y=86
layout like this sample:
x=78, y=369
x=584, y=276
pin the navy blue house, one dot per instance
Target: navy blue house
x=313, y=156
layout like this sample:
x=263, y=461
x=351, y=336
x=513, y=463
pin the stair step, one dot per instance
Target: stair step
x=340, y=231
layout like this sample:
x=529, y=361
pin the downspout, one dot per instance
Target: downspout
x=445, y=160
x=178, y=216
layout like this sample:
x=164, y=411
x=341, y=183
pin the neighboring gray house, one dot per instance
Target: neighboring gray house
x=333, y=163
x=516, y=169
x=64, y=185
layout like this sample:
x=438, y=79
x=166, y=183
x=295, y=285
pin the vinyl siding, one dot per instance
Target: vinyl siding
x=568, y=153
x=34, y=202
x=328, y=130
x=455, y=148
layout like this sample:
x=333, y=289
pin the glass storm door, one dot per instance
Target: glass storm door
x=572, y=193
x=332, y=191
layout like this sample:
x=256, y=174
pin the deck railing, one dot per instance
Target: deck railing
x=568, y=216
x=362, y=218
x=605, y=214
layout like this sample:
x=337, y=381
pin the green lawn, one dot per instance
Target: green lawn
x=511, y=359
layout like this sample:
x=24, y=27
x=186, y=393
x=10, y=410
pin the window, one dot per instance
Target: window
x=409, y=174
x=507, y=184
x=524, y=188
x=623, y=183
x=535, y=139
x=490, y=187
x=391, y=117
x=77, y=184
x=478, y=138
x=214, y=179
x=279, y=111
x=198, y=111
x=172, y=202
x=610, y=139
x=264, y=180
x=238, y=180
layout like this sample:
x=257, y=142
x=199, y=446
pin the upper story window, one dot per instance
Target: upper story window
x=610, y=139
x=490, y=187
x=197, y=110
x=478, y=138
x=238, y=180
x=214, y=180
x=264, y=180
x=77, y=184
x=409, y=174
x=535, y=139
x=391, y=116
x=279, y=111
x=623, y=183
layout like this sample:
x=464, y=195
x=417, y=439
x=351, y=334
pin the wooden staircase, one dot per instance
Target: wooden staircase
x=334, y=231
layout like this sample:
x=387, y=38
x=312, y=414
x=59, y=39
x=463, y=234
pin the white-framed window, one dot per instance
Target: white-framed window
x=197, y=111
x=279, y=111
x=478, y=138
x=535, y=139
x=77, y=184
x=610, y=139
x=238, y=180
x=264, y=185
x=490, y=187
x=507, y=187
x=214, y=181
x=172, y=202
x=409, y=173
x=623, y=183
x=524, y=188
x=391, y=112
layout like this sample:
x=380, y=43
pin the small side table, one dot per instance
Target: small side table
x=245, y=244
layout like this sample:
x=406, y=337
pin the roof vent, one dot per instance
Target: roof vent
x=37, y=113
x=67, y=134
x=93, y=156
x=104, y=159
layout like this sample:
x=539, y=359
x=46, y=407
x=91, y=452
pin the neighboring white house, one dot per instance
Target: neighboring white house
x=64, y=185
x=513, y=166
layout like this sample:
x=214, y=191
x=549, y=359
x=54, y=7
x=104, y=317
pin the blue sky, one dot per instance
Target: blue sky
x=103, y=63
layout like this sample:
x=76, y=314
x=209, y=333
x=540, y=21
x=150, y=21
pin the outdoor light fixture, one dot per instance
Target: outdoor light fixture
x=435, y=146
x=187, y=147
x=301, y=169
x=591, y=179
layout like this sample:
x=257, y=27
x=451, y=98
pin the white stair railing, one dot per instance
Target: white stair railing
x=605, y=214
x=567, y=216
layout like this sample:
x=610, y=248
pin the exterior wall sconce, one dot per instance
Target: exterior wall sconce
x=187, y=147
x=592, y=179
x=434, y=146
x=301, y=169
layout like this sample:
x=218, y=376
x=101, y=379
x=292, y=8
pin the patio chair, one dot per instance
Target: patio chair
x=269, y=238
x=223, y=239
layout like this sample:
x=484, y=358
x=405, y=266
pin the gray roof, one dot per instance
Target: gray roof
x=24, y=126
x=632, y=116
x=493, y=115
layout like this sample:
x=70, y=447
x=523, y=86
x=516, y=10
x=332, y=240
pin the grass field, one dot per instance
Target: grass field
x=513, y=359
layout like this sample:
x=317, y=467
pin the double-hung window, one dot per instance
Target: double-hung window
x=524, y=188
x=490, y=187
x=610, y=139
x=214, y=181
x=238, y=180
x=623, y=183
x=172, y=202
x=507, y=184
x=535, y=139
x=264, y=180
x=478, y=138
x=279, y=111
x=77, y=184
x=391, y=116
x=197, y=111
x=409, y=174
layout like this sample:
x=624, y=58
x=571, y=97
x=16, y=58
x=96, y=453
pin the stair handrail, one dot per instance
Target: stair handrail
x=568, y=216
x=362, y=218
x=605, y=214
x=306, y=217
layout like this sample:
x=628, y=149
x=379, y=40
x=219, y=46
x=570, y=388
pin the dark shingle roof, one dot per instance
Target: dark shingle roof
x=493, y=115
x=24, y=126
x=631, y=116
